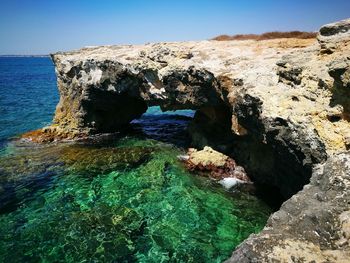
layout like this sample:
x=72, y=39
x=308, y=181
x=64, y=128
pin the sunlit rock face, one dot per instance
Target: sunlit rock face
x=313, y=225
x=333, y=36
x=104, y=93
x=277, y=106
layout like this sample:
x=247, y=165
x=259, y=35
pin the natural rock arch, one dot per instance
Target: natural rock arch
x=279, y=107
x=269, y=107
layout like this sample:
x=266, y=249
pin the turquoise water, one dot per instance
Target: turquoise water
x=122, y=199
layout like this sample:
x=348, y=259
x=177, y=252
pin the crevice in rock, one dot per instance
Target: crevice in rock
x=211, y=126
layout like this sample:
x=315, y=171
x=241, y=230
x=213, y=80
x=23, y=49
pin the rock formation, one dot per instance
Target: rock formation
x=279, y=107
x=218, y=165
x=312, y=226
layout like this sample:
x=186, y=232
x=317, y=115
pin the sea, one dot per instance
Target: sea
x=124, y=198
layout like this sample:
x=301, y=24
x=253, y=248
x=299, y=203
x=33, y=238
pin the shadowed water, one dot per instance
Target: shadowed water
x=121, y=199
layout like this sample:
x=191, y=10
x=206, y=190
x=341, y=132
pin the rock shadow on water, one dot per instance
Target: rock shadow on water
x=168, y=127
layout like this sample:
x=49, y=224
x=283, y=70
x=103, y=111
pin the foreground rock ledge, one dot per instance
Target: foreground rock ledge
x=278, y=107
x=312, y=226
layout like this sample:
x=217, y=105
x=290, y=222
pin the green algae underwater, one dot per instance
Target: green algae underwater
x=124, y=199
x=130, y=200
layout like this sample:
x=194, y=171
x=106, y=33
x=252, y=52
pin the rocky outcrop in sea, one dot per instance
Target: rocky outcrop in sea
x=279, y=107
x=217, y=166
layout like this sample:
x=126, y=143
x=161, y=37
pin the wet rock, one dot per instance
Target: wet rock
x=52, y=134
x=217, y=165
x=230, y=182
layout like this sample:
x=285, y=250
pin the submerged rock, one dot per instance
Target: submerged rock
x=28, y=161
x=103, y=160
x=154, y=212
x=51, y=134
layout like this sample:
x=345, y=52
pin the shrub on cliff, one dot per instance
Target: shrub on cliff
x=267, y=35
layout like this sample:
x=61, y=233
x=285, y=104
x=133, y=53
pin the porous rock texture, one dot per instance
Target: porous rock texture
x=215, y=164
x=312, y=226
x=279, y=107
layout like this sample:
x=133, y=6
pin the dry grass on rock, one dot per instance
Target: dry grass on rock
x=267, y=36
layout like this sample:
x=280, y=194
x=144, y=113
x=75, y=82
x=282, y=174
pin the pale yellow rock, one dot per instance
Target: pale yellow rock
x=253, y=63
x=334, y=135
x=290, y=251
x=345, y=224
x=208, y=156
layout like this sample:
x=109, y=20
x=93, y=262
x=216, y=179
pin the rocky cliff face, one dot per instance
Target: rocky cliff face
x=312, y=226
x=279, y=107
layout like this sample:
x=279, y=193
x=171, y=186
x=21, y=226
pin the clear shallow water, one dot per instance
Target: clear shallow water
x=125, y=199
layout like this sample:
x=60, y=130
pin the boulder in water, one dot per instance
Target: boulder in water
x=216, y=164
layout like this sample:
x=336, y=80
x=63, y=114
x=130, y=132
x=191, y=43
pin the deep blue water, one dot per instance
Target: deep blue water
x=28, y=94
x=127, y=199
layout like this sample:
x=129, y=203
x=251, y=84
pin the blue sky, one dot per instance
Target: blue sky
x=41, y=27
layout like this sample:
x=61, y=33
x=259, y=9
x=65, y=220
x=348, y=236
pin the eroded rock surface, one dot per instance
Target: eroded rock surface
x=312, y=226
x=218, y=165
x=279, y=107
x=332, y=36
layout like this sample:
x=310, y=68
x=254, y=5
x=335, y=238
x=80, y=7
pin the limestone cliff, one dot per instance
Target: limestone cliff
x=312, y=226
x=279, y=107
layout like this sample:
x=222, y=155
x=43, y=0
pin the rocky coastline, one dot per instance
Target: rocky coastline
x=279, y=107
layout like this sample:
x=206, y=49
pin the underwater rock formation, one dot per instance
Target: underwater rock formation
x=279, y=107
